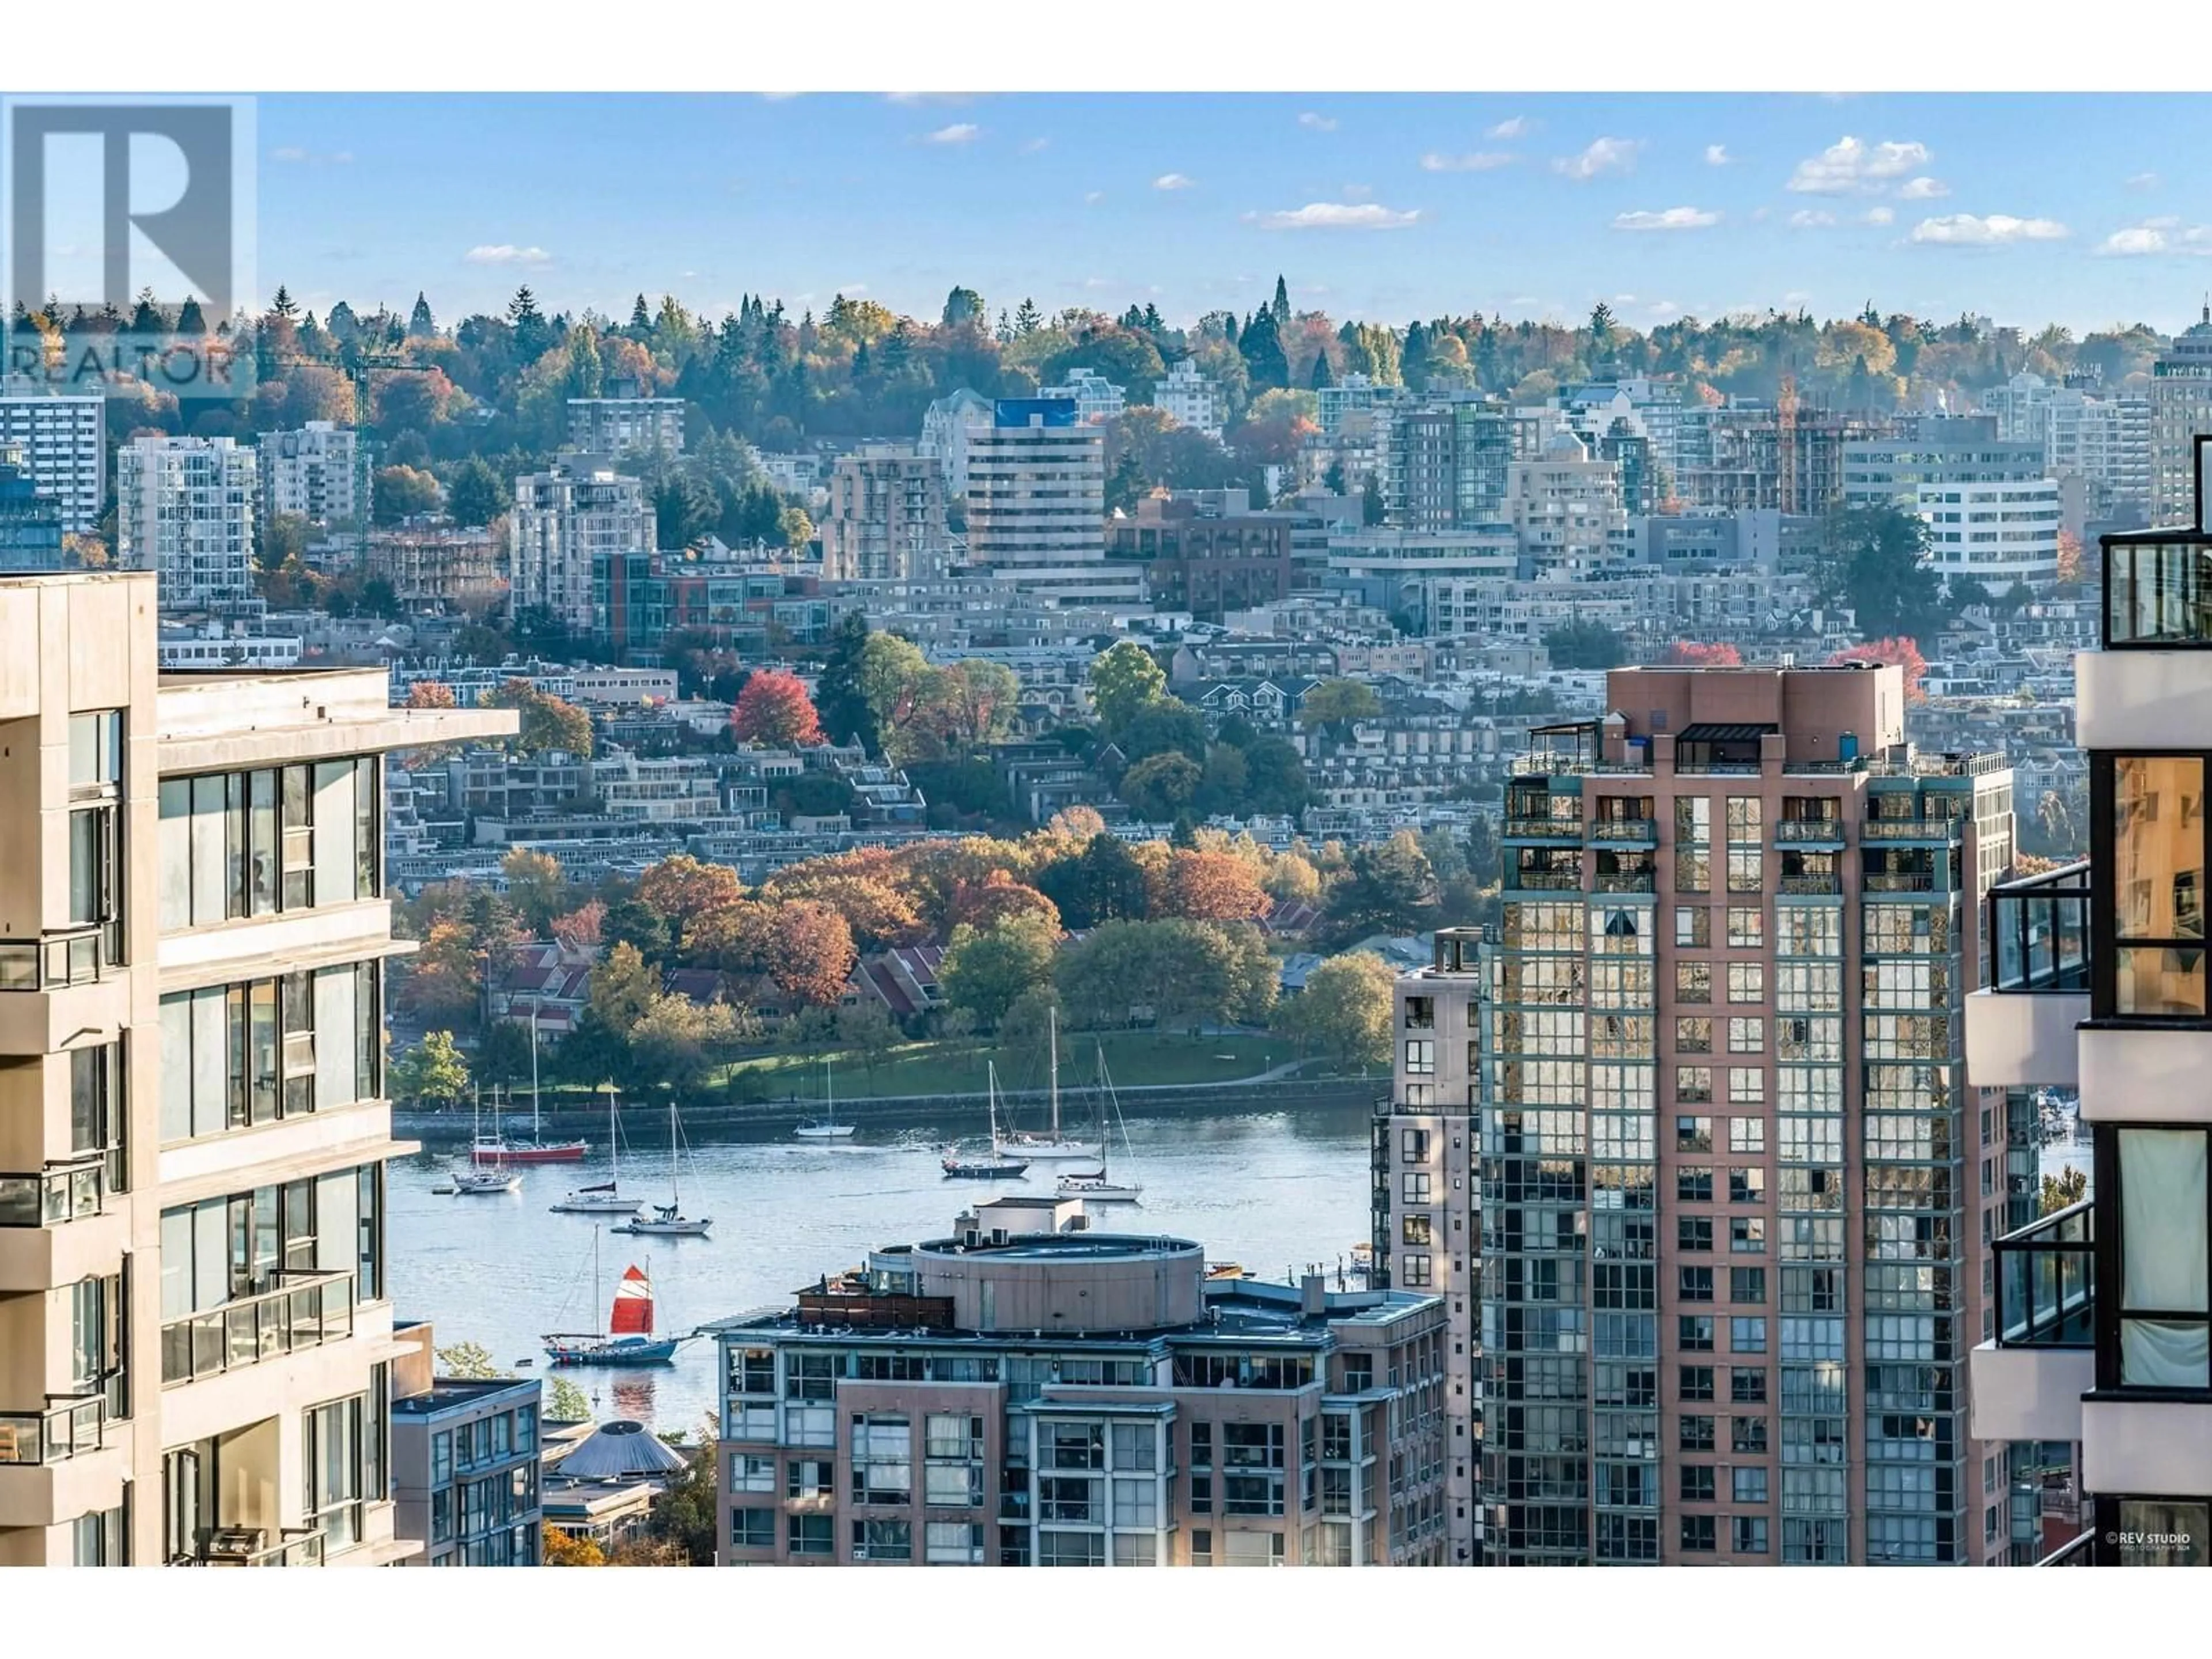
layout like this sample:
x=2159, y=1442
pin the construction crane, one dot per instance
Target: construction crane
x=1786, y=411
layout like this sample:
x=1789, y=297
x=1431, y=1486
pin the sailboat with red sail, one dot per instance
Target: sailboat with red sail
x=628, y=1338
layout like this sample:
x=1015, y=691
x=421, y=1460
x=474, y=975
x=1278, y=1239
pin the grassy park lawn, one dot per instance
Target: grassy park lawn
x=1134, y=1060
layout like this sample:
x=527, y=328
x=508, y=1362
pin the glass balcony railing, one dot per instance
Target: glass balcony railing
x=70, y=1425
x=2047, y=1281
x=1628, y=881
x=2158, y=591
x=304, y=1311
x=1911, y=830
x=1819, y=832
x=1546, y=828
x=1639, y=832
x=58, y=1194
x=1818, y=883
x=66, y=957
x=2039, y=931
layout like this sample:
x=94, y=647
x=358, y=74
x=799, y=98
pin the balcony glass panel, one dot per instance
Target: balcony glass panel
x=2039, y=931
x=2158, y=593
x=2046, y=1282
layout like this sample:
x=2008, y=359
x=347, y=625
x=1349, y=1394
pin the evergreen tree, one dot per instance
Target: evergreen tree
x=421, y=324
x=1262, y=348
x=532, y=332
x=147, y=319
x=1153, y=325
x=1027, y=318
x=1321, y=375
x=1282, y=308
x=1370, y=502
x=839, y=700
x=283, y=304
x=640, y=319
x=189, y=320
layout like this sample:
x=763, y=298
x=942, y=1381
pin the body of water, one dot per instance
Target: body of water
x=1268, y=1190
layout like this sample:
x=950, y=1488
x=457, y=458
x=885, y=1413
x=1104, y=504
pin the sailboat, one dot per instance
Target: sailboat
x=629, y=1338
x=1102, y=1188
x=995, y=1165
x=537, y=1149
x=604, y=1198
x=668, y=1220
x=826, y=1127
x=486, y=1182
x=1053, y=1145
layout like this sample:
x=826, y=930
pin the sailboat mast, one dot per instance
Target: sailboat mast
x=1052, y=1028
x=674, y=1198
x=614, y=1143
x=537, y=1133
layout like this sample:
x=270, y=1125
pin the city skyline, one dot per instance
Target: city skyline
x=1383, y=207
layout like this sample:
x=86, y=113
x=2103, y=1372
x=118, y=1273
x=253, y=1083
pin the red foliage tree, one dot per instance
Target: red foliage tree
x=1203, y=886
x=810, y=951
x=1688, y=653
x=775, y=708
x=1904, y=652
x=998, y=897
x=580, y=930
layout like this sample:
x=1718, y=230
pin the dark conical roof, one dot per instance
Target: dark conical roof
x=619, y=1450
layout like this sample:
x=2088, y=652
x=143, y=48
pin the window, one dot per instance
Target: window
x=1747, y=1035
x=1748, y=1535
x=1748, y=1485
x=334, y=1456
x=1696, y=1433
x=1746, y=1134
x=1136, y=1502
x=810, y=1477
x=752, y=1530
x=752, y=1474
x=953, y=1543
x=1744, y=864
x=812, y=1534
x=1071, y=1549
x=1694, y=1332
x=1693, y=927
x=95, y=786
x=1699, y=1534
x=1694, y=1284
x=1748, y=1335
x=1694, y=1232
x=883, y=1452
x=2157, y=885
x=1693, y=981
x=2165, y=1319
x=1414, y=1188
x=1201, y=1547
x=1420, y=1013
x=1693, y=1186
x=1695, y=1382
x=1748, y=1385
x=1072, y=1446
x=1414, y=1145
x=1748, y=1285
x=883, y=1541
x=1414, y=1230
x=1747, y=928
x=441, y=1457
x=1696, y=1483
x=1747, y=982
x=1693, y=1134
x=1747, y=1235
x=1694, y=1034
x=1747, y=1184
x=1420, y=1057
x=1693, y=1085
x=1747, y=1435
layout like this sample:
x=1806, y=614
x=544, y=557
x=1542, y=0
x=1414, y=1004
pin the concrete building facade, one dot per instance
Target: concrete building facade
x=619, y=427
x=566, y=521
x=63, y=439
x=316, y=473
x=184, y=510
x=886, y=521
x=1037, y=504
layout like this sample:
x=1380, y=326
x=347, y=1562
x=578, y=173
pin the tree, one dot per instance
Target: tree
x=429, y=694
x=565, y=1402
x=963, y=306
x=1338, y=702
x=1211, y=886
x=1158, y=787
x=869, y=1031
x=285, y=538
x=810, y=951
x=840, y=700
x=775, y=708
x=567, y=1549
x=985, y=969
x=1345, y=1010
x=1274, y=777
x=1902, y=652
x=399, y=493
x=432, y=1071
x=676, y=1039
x=1163, y=725
x=1123, y=680
x=548, y=722
x=1387, y=889
x=2069, y=1186
x=582, y=929
x=1877, y=565
x=470, y=1361
x=622, y=989
x=477, y=495
x=999, y=897
x=1686, y=654
x=536, y=885
x=1579, y=644
x=1370, y=502
x=687, y=1513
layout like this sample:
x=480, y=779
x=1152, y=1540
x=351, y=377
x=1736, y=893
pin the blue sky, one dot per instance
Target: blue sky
x=2078, y=210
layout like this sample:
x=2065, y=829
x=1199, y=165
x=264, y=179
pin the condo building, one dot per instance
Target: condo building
x=2102, y=1334
x=1028, y=1391
x=63, y=439
x=626, y=425
x=2180, y=407
x=184, y=510
x=196, y=1332
x=885, y=520
x=1732, y=1186
x=569, y=522
x=318, y=473
x=1037, y=504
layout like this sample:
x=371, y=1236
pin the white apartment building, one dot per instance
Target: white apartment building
x=564, y=520
x=63, y=439
x=885, y=520
x=626, y=426
x=1566, y=513
x=1097, y=399
x=316, y=473
x=947, y=427
x=2180, y=408
x=195, y=1321
x=2106, y=441
x=184, y=510
x=1037, y=504
x=2102, y=1339
x=1996, y=533
x=1188, y=399
x=2018, y=406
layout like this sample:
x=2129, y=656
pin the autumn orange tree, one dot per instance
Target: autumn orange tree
x=1904, y=652
x=1210, y=886
x=774, y=708
x=1688, y=653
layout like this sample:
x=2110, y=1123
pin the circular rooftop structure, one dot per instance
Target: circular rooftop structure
x=1080, y=1281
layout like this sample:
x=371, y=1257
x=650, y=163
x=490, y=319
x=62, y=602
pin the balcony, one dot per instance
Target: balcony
x=304, y=1311
x=1809, y=832
x=1565, y=830
x=1545, y=881
x=1637, y=881
x=1624, y=832
x=2020, y=1032
x=2028, y=1384
x=1826, y=884
x=1899, y=881
x=71, y=1425
x=1938, y=831
x=64, y=957
x=59, y=1194
x=2074, y=1553
x=250, y=1547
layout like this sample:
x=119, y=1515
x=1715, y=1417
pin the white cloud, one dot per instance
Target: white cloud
x=1518, y=126
x=1336, y=216
x=1603, y=155
x=1481, y=160
x=1923, y=189
x=1717, y=155
x=1995, y=229
x=1173, y=181
x=506, y=253
x=288, y=153
x=1317, y=122
x=2143, y=181
x=1850, y=166
x=1034, y=145
x=1811, y=219
x=1093, y=197
x=1879, y=215
x=926, y=97
x=960, y=132
x=1674, y=218
x=2161, y=235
